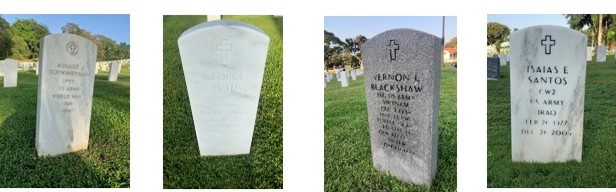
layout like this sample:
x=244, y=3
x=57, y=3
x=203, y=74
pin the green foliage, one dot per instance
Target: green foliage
x=182, y=165
x=453, y=42
x=348, y=159
x=26, y=34
x=596, y=170
x=5, y=39
x=104, y=164
x=108, y=49
x=497, y=34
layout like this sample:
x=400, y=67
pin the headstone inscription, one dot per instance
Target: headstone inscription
x=223, y=64
x=548, y=75
x=402, y=74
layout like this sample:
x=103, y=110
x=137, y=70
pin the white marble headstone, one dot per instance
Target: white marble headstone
x=503, y=59
x=113, y=71
x=65, y=90
x=9, y=67
x=354, y=75
x=601, y=53
x=548, y=75
x=588, y=53
x=223, y=63
x=344, y=78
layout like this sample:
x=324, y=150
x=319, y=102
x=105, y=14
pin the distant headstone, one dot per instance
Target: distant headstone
x=325, y=78
x=493, y=68
x=113, y=71
x=223, y=64
x=65, y=90
x=9, y=67
x=588, y=53
x=402, y=68
x=354, y=75
x=503, y=59
x=344, y=78
x=601, y=53
x=26, y=66
x=548, y=74
x=214, y=17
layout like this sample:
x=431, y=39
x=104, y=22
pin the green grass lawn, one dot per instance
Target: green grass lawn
x=183, y=167
x=348, y=160
x=597, y=168
x=104, y=164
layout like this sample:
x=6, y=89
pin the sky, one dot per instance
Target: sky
x=523, y=21
x=350, y=26
x=114, y=26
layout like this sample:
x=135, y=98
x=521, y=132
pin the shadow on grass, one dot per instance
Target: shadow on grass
x=21, y=168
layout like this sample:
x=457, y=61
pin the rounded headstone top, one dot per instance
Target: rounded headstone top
x=221, y=23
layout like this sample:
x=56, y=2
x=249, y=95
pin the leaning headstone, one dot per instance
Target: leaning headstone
x=113, y=71
x=223, y=64
x=65, y=90
x=402, y=68
x=548, y=74
x=588, y=53
x=601, y=53
x=344, y=78
x=493, y=68
x=9, y=67
x=503, y=59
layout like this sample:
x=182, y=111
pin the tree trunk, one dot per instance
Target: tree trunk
x=600, y=33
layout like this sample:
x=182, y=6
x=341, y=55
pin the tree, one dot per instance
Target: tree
x=497, y=34
x=360, y=40
x=26, y=35
x=108, y=49
x=598, y=26
x=5, y=39
x=332, y=46
x=453, y=42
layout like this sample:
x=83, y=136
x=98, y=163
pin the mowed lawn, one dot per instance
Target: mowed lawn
x=183, y=166
x=104, y=164
x=597, y=168
x=348, y=159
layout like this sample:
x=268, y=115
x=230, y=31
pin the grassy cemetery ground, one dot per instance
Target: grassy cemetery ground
x=597, y=168
x=183, y=167
x=104, y=164
x=348, y=160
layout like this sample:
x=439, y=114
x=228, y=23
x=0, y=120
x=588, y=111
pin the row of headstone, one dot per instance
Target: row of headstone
x=114, y=67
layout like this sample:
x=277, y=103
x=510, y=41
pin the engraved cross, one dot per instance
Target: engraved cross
x=393, y=47
x=549, y=44
x=224, y=49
